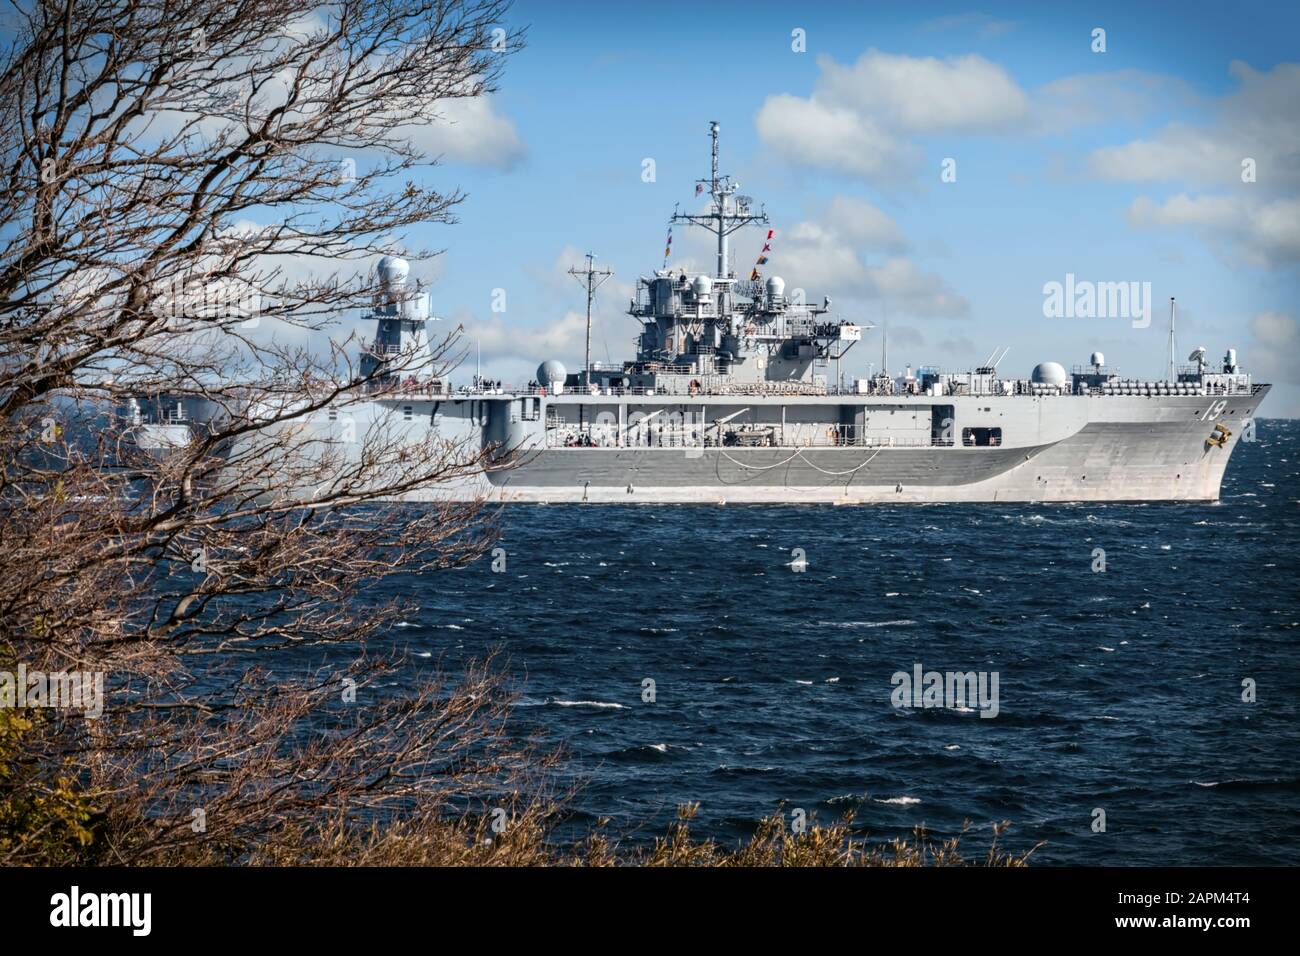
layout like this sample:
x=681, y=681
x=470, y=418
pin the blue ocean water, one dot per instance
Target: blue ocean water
x=1119, y=690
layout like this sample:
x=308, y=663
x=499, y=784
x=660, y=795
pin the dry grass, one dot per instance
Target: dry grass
x=429, y=839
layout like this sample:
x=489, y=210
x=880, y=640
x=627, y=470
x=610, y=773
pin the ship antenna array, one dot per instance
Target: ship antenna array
x=721, y=219
x=995, y=359
x=592, y=279
x=1173, y=357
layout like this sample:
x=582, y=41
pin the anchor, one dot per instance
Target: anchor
x=1219, y=437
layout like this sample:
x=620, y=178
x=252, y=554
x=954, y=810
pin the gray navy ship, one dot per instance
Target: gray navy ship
x=728, y=400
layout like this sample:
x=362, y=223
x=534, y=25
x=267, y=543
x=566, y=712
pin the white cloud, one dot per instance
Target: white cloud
x=1128, y=95
x=1239, y=229
x=1260, y=120
x=858, y=117
x=815, y=133
x=469, y=130
x=1257, y=220
x=862, y=223
x=502, y=337
x=833, y=253
x=925, y=94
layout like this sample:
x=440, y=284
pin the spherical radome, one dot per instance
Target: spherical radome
x=393, y=269
x=551, y=372
x=1048, y=373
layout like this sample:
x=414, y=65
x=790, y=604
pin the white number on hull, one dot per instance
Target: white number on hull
x=1215, y=410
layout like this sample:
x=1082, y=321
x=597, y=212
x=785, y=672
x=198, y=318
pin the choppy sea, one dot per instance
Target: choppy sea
x=1162, y=691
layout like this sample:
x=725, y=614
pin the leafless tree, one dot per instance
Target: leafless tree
x=162, y=161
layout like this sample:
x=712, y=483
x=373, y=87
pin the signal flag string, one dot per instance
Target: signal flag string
x=762, y=256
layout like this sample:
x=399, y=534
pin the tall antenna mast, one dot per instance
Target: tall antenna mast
x=884, y=347
x=591, y=278
x=721, y=219
x=1173, y=351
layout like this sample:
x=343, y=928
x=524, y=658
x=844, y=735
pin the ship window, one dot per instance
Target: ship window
x=407, y=412
x=981, y=437
x=334, y=414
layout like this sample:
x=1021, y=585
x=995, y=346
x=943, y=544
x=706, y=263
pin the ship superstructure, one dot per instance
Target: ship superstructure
x=735, y=395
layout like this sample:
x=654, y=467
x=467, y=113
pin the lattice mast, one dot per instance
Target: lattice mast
x=723, y=217
x=592, y=279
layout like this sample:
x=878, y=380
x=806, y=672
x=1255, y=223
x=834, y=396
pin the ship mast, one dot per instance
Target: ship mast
x=1173, y=345
x=591, y=279
x=721, y=219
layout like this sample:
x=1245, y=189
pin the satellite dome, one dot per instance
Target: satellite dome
x=1097, y=359
x=550, y=373
x=703, y=285
x=776, y=286
x=393, y=270
x=1048, y=373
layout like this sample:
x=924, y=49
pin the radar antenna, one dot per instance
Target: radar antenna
x=721, y=219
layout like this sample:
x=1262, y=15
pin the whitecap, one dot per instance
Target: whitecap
x=900, y=801
x=600, y=704
x=898, y=623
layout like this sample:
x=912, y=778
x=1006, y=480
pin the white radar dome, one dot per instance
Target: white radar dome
x=551, y=373
x=393, y=270
x=776, y=286
x=1048, y=373
x=703, y=285
x=1098, y=359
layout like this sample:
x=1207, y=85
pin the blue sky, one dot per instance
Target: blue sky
x=1114, y=166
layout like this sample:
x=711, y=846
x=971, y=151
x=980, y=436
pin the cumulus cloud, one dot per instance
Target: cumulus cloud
x=859, y=115
x=1256, y=130
x=470, y=130
x=852, y=248
x=810, y=132
x=1239, y=229
x=1260, y=120
x=1087, y=99
x=502, y=337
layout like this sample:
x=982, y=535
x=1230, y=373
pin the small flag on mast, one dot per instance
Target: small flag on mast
x=762, y=256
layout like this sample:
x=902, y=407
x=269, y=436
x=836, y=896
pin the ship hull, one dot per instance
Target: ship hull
x=1151, y=450
x=1062, y=449
x=1118, y=463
